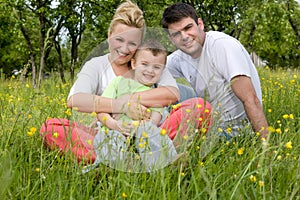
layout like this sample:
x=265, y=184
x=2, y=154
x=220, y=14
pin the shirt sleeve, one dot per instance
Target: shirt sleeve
x=87, y=79
x=167, y=79
x=231, y=58
x=173, y=65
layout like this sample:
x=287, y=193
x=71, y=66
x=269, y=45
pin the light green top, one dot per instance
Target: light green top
x=120, y=86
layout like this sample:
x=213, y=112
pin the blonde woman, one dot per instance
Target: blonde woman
x=125, y=34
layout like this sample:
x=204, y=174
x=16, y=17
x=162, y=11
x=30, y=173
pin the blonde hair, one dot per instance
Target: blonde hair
x=128, y=14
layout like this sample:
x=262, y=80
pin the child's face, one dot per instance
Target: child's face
x=148, y=68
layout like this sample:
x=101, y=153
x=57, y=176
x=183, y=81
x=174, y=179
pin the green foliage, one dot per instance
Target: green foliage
x=243, y=168
x=273, y=37
x=268, y=28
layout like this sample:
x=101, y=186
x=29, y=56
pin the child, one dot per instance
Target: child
x=113, y=140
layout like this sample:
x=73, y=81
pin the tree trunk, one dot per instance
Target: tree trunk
x=74, y=54
x=42, y=46
x=293, y=25
x=31, y=54
x=60, y=62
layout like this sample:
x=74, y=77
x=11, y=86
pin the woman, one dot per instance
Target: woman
x=125, y=34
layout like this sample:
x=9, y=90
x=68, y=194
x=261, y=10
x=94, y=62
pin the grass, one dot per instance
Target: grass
x=245, y=168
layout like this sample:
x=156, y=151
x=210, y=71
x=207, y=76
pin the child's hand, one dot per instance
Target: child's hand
x=123, y=127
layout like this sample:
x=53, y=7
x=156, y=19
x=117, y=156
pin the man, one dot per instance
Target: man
x=218, y=68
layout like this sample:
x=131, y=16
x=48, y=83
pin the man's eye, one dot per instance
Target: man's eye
x=175, y=34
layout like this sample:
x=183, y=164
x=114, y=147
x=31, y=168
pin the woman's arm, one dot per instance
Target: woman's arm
x=157, y=97
x=92, y=103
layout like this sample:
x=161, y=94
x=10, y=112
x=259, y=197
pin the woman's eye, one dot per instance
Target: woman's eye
x=133, y=44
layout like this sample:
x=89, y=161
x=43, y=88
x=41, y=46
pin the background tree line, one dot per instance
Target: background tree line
x=40, y=36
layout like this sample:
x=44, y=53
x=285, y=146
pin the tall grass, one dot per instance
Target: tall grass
x=244, y=168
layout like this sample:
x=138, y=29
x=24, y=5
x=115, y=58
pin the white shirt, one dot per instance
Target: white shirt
x=222, y=58
x=97, y=73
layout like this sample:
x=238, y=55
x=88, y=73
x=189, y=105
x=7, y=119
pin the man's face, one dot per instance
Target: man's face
x=123, y=42
x=148, y=68
x=188, y=36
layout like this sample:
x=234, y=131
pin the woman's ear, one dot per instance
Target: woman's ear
x=132, y=62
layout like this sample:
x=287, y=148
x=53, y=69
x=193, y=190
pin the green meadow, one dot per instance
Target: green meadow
x=244, y=168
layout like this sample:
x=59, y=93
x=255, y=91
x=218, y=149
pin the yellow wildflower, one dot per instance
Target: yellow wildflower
x=240, y=151
x=260, y=183
x=203, y=130
x=55, y=135
x=163, y=132
x=229, y=130
x=27, y=85
x=269, y=110
x=148, y=110
x=135, y=123
x=144, y=134
x=291, y=116
x=279, y=157
x=286, y=116
x=124, y=195
x=200, y=119
x=182, y=173
x=206, y=111
x=93, y=114
x=278, y=130
x=68, y=112
x=90, y=142
x=289, y=145
x=33, y=129
x=199, y=106
x=220, y=130
x=252, y=178
x=141, y=145
x=271, y=129
x=176, y=106
x=201, y=164
x=29, y=133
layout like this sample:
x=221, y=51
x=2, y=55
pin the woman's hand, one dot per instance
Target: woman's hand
x=133, y=109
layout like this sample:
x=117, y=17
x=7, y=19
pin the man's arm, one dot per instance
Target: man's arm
x=157, y=97
x=244, y=90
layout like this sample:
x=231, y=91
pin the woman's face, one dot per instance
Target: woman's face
x=123, y=42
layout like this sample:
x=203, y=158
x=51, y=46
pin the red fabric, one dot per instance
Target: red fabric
x=78, y=139
x=69, y=137
x=194, y=113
